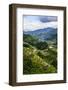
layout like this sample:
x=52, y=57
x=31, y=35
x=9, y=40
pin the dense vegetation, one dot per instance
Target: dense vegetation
x=39, y=56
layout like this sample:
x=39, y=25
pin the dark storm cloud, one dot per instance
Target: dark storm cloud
x=48, y=18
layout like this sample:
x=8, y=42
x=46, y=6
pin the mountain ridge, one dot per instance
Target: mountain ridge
x=43, y=34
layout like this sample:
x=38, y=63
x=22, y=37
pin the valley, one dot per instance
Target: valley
x=40, y=51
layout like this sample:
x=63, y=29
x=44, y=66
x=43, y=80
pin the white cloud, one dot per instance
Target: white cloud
x=31, y=26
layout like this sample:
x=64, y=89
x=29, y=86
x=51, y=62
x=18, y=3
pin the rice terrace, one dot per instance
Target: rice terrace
x=39, y=44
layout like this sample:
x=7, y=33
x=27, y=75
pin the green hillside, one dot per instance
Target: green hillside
x=38, y=57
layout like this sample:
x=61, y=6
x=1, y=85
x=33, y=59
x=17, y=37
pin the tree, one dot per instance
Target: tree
x=41, y=45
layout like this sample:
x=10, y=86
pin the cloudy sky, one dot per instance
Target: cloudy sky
x=32, y=23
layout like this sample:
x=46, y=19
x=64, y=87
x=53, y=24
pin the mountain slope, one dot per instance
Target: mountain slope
x=34, y=64
x=44, y=34
x=40, y=52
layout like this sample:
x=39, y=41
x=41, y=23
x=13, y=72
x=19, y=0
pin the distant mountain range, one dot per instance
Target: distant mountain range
x=44, y=34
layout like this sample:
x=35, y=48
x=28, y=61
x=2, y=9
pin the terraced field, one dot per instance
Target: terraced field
x=38, y=57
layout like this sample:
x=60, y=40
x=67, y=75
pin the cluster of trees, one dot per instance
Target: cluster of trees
x=35, y=42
